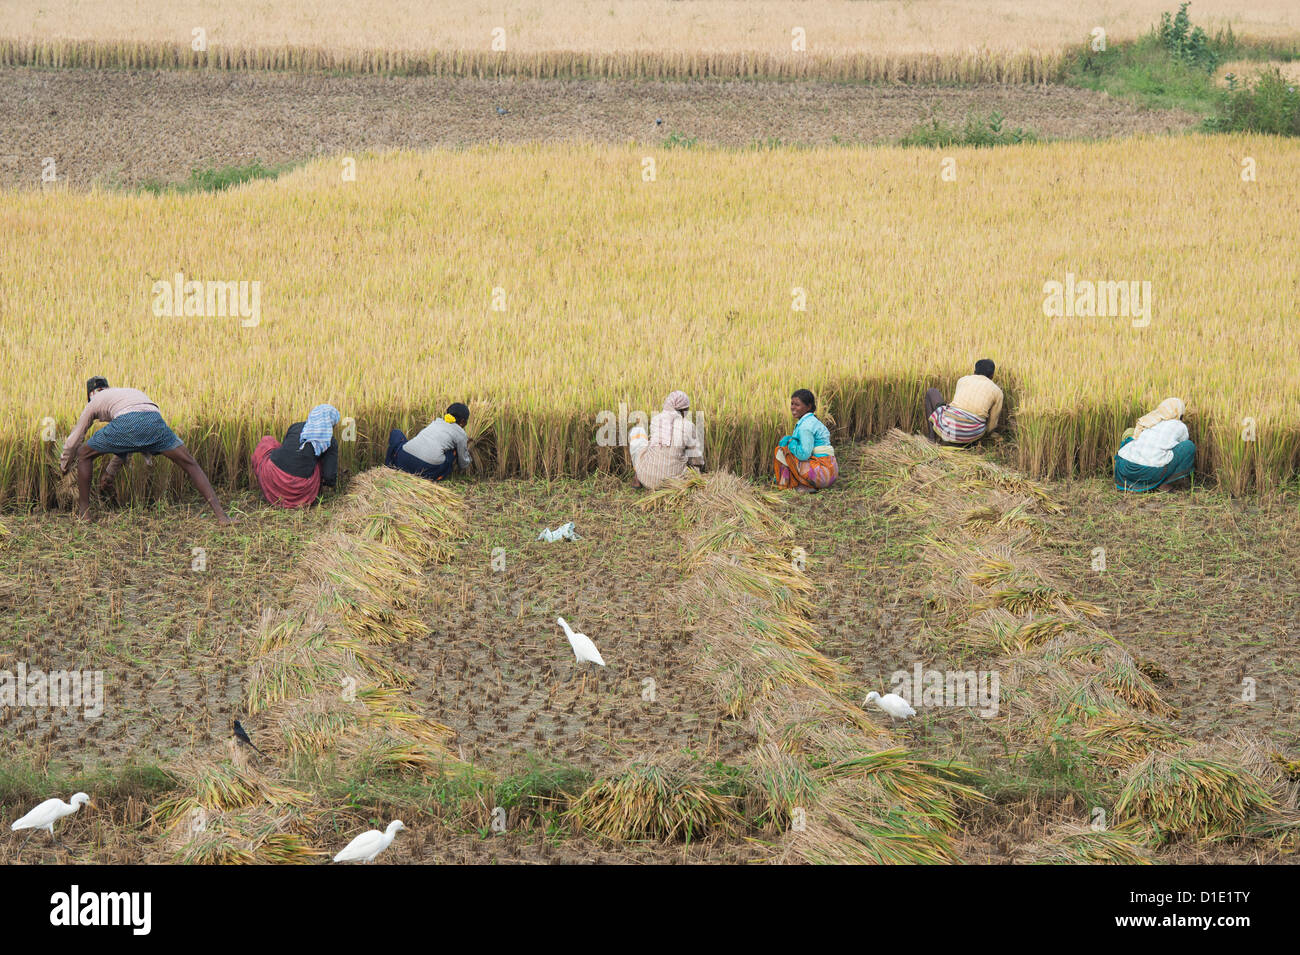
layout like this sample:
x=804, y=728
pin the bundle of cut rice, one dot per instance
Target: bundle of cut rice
x=65, y=492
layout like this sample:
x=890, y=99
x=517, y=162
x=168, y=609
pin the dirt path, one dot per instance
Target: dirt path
x=127, y=127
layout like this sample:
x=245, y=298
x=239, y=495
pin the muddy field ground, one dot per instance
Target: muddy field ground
x=1197, y=585
x=129, y=127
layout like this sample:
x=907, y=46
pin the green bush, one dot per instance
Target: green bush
x=1189, y=44
x=1270, y=105
x=976, y=131
x=1172, y=66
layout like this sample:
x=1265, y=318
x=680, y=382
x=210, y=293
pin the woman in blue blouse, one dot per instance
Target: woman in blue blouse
x=805, y=459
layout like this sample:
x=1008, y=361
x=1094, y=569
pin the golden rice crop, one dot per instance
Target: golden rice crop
x=946, y=41
x=378, y=296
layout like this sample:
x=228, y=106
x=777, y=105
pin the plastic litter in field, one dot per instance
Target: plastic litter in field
x=563, y=532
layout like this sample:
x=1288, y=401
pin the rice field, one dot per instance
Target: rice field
x=945, y=41
x=548, y=284
x=1086, y=676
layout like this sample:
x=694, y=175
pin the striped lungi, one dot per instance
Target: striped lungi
x=957, y=426
x=142, y=431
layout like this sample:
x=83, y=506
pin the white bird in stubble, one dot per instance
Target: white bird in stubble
x=583, y=648
x=891, y=703
x=49, y=812
x=369, y=844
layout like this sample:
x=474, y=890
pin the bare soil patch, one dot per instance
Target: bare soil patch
x=127, y=127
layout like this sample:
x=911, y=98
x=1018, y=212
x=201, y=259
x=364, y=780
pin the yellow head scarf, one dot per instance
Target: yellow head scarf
x=1167, y=410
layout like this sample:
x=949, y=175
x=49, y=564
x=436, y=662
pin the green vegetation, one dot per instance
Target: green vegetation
x=976, y=131
x=1190, y=45
x=219, y=180
x=1165, y=69
x=25, y=782
x=1173, y=67
x=676, y=140
x=1270, y=105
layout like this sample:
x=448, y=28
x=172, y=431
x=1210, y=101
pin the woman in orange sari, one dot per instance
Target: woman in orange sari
x=805, y=459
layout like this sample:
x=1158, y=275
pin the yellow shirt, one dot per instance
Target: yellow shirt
x=980, y=396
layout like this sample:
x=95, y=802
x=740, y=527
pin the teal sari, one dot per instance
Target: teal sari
x=1140, y=479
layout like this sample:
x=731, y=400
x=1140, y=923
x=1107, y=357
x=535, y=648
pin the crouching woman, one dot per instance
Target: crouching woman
x=291, y=472
x=805, y=459
x=1158, y=453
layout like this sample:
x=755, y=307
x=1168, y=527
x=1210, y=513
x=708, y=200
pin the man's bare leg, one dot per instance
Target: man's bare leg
x=85, y=464
x=181, y=455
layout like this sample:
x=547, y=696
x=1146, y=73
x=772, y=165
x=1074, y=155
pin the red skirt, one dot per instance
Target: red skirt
x=280, y=489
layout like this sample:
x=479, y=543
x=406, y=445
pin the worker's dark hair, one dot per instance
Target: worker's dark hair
x=984, y=367
x=458, y=411
x=94, y=384
x=806, y=396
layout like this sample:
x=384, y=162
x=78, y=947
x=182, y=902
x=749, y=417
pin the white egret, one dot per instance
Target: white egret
x=369, y=844
x=583, y=648
x=891, y=703
x=48, y=813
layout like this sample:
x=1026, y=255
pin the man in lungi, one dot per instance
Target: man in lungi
x=973, y=411
x=134, y=425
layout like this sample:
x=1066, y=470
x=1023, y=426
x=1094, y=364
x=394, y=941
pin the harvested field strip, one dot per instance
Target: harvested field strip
x=827, y=783
x=319, y=677
x=280, y=118
x=1068, y=686
x=985, y=66
x=654, y=37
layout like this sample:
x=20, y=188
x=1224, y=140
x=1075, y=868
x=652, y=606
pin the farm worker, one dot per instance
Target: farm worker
x=805, y=459
x=1159, y=451
x=973, y=412
x=673, y=444
x=134, y=424
x=291, y=472
x=434, y=451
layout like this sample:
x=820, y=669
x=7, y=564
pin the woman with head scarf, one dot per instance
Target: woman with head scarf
x=1159, y=451
x=805, y=459
x=672, y=445
x=436, y=450
x=135, y=425
x=291, y=472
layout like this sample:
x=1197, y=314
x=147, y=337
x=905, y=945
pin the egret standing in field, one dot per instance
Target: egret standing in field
x=369, y=844
x=583, y=648
x=48, y=813
x=891, y=703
